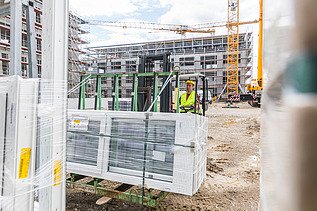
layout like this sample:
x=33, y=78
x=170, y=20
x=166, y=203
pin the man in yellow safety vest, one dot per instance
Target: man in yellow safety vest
x=187, y=100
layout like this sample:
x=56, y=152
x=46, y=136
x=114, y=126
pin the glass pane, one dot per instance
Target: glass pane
x=129, y=139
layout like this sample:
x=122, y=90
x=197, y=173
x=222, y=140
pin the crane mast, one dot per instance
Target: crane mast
x=260, y=48
x=233, y=48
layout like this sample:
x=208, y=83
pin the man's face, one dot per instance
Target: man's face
x=189, y=88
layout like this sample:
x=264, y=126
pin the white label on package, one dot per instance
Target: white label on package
x=78, y=123
x=160, y=156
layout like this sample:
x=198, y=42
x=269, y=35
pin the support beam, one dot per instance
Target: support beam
x=31, y=40
x=135, y=92
x=54, y=97
x=15, y=37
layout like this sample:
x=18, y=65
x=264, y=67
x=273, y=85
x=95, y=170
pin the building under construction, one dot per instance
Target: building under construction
x=207, y=55
x=75, y=65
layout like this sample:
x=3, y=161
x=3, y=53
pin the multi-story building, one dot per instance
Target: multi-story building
x=207, y=55
x=75, y=64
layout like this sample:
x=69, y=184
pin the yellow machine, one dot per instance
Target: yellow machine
x=256, y=85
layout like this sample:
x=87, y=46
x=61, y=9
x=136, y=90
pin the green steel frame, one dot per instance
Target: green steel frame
x=117, y=76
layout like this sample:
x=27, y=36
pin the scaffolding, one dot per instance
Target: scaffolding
x=29, y=69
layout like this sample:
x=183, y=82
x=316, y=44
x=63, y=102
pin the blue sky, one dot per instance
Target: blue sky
x=159, y=11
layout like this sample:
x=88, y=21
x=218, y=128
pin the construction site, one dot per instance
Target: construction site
x=215, y=115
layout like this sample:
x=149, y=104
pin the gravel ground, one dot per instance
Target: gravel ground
x=232, y=181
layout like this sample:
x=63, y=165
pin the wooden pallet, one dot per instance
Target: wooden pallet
x=109, y=190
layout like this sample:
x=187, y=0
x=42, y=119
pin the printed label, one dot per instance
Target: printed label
x=24, y=163
x=57, y=172
x=77, y=121
x=160, y=156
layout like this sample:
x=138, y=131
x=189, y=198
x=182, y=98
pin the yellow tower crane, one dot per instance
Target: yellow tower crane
x=233, y=47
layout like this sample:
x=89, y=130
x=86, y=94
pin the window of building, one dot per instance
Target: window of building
x=38, y=17
x=24, y=69
x=115, y=65
x=39, y=70
x=187, y=61
x=5, y=34
x=225, y=59
x=217, y=41
x=212, y=76
x=131, y=66
x=213, y=73
x=102, y=64
x=151, y=46
x=5, y=55
x=198, y=42
x=128, y=93
x=103, y=81
x=188, y=43
x=178, y=44
x=208, y=42
x=5, y=67
x=224, y=79
x=38, y=44
x=169, y=45
x=207, y=62
x=24, y=41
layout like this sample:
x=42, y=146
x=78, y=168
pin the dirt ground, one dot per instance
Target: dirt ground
x=232, y=181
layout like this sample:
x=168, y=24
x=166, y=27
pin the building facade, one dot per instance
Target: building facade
x=75, y=67
x=206, y=55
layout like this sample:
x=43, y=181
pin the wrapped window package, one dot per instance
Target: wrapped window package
x=163, y=151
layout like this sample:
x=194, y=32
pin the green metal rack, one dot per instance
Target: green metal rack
x=116, y=77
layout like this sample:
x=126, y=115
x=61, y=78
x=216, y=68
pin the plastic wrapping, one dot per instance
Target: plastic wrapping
x=125, y=104
x=30, y=135
x=163, y=151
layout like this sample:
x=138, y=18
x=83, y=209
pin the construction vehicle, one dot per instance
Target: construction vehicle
x=256, y=86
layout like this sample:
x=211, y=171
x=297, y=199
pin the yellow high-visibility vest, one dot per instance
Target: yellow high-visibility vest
x=189, y=102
